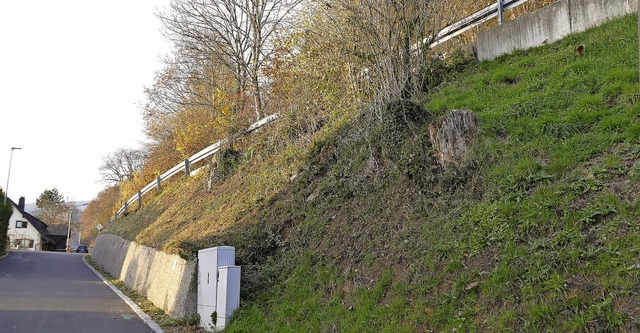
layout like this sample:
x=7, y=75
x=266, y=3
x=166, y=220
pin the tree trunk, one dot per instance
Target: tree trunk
x=256, y=28
x=452, y=136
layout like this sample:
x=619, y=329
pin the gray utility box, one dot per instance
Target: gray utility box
x=218, y=286
x=228, y=294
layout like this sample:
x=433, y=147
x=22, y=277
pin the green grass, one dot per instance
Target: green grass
x=538, y=232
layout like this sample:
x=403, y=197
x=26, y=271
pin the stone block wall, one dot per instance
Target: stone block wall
x=166, y=280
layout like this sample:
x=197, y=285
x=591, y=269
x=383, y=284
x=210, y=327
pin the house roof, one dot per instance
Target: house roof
x=58, y=230
x=35, y=222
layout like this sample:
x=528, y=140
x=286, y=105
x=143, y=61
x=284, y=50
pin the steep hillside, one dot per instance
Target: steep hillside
x=362, y=231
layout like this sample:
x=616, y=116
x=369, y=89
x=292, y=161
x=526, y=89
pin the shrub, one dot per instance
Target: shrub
x=5, y=215
x=400, y=119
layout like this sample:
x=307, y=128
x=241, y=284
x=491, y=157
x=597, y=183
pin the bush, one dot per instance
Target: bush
x=400, y=119
x=442, y=69
x=5, y=215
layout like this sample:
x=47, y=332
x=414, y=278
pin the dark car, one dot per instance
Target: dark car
x=82, y=249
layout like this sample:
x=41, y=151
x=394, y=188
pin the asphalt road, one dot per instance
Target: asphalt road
x=57, y=292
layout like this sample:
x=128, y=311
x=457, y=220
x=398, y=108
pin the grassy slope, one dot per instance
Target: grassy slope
x=538, y=232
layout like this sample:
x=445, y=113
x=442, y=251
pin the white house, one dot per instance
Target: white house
x=26, y=232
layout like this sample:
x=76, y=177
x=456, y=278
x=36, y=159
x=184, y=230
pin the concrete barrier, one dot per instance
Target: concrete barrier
x=166, y=280
x=549, y=24
x=587, y=14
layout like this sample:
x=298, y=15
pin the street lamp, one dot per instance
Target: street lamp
x=6, y=189
x=68, y=249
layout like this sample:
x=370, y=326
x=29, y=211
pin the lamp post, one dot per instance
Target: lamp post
x=6, y=189
x=68, y=249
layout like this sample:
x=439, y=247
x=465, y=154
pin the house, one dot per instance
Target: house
x=26, y=232
x=58, y=232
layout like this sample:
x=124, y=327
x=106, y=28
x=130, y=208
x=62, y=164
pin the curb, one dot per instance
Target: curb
x=145, y=317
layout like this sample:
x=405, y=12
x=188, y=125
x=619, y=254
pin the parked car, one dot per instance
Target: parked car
x=82, y=249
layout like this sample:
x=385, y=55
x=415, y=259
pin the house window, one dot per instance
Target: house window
x=21, y=224
x=23, y=243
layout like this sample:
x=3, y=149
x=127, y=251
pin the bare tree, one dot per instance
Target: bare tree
x=186, y=83
x=98, y=211
x=121, y=165
x=392, y=38
x=236, y=34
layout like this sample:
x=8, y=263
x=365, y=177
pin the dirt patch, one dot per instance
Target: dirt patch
x=629, y=306
x=483, y=262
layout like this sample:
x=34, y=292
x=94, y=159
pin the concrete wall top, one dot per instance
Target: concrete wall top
x=549, y=24
x=546, y=25
x=587, y=14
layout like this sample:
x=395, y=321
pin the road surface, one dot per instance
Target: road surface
x=56, y=292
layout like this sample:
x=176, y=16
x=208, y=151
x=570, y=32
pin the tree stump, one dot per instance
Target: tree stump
x=452, y=136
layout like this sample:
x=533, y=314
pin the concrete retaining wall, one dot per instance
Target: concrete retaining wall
x=166, y=280
x=549, y=24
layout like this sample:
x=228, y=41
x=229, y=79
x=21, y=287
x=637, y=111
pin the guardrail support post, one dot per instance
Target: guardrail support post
x=158, y=182
x=186, y=167
x=500, y=12
x=126, y=207
x=139, y=199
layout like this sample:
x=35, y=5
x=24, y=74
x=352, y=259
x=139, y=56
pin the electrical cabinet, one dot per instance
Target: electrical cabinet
x=209, y=260
x=218, y=286
x=228, y=294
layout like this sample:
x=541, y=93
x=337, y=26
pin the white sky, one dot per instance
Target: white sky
x=72, y=74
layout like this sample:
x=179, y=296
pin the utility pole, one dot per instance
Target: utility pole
x=68, y=248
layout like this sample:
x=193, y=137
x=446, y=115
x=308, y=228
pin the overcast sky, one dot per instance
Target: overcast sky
x=72, y=74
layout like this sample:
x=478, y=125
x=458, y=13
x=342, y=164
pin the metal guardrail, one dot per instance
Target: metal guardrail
x=495, y=10
x=185, y=166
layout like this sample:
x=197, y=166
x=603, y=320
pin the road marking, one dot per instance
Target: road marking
x=145, y=317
